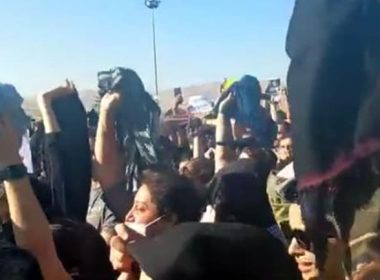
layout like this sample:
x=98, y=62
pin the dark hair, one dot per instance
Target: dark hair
x=173, y=194
x=265, y=162
x=43, y=193
x=199, y=169
x=17, y=264
x=242, y=198
x=92, y=118
x=182, y=154
x=82, y=250
x=37, y=142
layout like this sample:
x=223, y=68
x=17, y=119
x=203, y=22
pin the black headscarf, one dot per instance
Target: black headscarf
x=136, y=120
x=238, y=193
x=333, y=83
x=193, y=251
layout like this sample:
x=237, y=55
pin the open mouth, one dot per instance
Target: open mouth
x=305, y=267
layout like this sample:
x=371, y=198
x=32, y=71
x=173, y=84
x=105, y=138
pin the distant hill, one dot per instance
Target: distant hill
x=88, y=97
x=208, y=90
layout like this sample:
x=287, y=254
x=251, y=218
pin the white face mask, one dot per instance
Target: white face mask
x=142, y=228
x=139, y=228
x=209, y=215
x=244, y=155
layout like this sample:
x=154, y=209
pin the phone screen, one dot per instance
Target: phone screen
x=177, y=91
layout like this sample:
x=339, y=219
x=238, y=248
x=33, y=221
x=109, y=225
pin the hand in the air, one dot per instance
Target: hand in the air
x=227, y=104
x=45, y=99
x=110, y=102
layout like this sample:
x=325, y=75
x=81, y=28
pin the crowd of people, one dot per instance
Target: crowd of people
x=79, y=216
x=251, y=190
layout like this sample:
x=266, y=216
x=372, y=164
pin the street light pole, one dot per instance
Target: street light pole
x=155, y=51
x=154, y=4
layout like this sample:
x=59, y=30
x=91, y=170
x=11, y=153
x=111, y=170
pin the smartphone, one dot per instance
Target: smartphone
x=177, y=91
x=273, y=86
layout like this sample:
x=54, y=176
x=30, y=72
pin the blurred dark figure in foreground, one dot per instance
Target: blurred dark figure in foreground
x=333, y=85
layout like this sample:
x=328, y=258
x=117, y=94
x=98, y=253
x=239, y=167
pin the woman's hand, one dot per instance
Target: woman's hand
x=10, y=143
x=110, y=103
x=227, y=104
x=45, y=99
x=119, y=256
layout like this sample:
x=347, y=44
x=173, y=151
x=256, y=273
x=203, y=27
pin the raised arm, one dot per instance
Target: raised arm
x=108, y=156
x=69, y=171
x=224, y=154
x=109, y=162
x=45, y=101
x=198, y=146
x=199, y=141
x=30, y=225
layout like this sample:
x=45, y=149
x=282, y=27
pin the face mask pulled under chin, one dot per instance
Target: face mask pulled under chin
x=139, y=228
x=209, y=215
x=146, y=229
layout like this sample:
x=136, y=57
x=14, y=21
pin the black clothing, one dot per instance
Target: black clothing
x=136, y=120
x=196, y=251
x=238, y=192
x=68, y=160
x=118, y=200
x=334, y=48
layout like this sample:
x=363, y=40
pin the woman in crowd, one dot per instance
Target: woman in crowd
x=30, y=225
x=164, y=194
x=238, y=190
x=200, y=171
x=163, y=198
x=300, y=249
x=238, y=195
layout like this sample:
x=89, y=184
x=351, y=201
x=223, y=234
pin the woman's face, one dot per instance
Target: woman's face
x=144, y=210
x=285, y=149
x=306, y=259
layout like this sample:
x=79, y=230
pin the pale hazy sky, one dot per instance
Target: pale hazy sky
x=44, y=41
